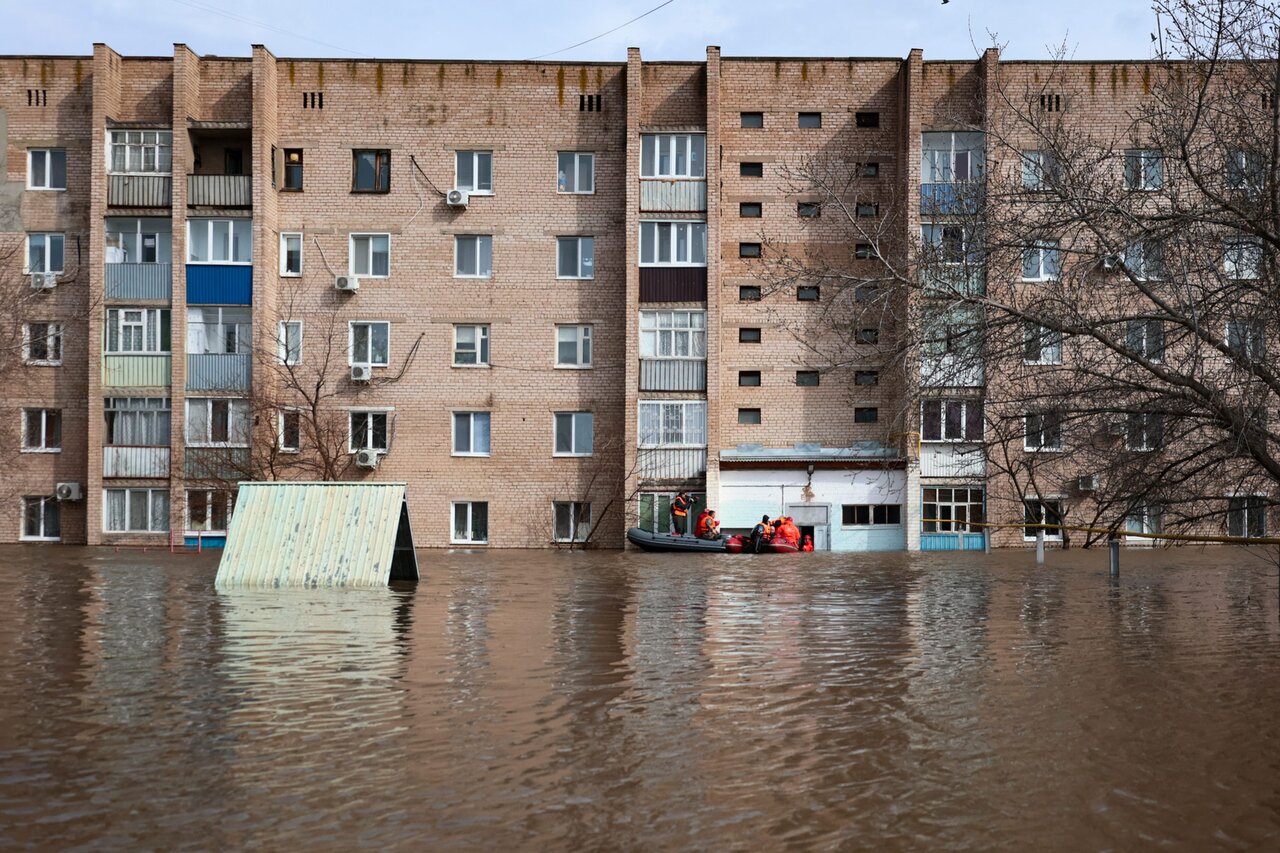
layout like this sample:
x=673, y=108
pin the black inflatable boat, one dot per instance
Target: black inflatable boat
x=646, y=541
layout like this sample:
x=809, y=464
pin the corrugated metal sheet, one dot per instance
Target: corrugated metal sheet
x=136, y=371
x=669, y=374
x=135, y=461
x=671, y=463
x=219, y=371
x=673, y=284
x=219, y=284
x=951, y=460
x=318, y=534
x=216, y=463
x=132, y=282
x=951, y=542
x=220, y=190
x=673, y=195
x=139, y=190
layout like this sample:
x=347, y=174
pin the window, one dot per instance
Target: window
x=1146, y=339
x=1144, y=518
x=1048, y=512
x=673, y=244
x=1246, y=170
x=1043, y=431
x=45, y=252
x=1143, y=169
x=1247, y=516
x=1244, y=339
x=807, y=378
x=139, y=241
x=868, y=336
x=470, y=346
x=368, y=431
x=1039, y=170
x=751, y=170
x=41, y=519
x=951, y=420
x=866, y=377
x=370, y=255
x=749, y=416
x=41, y=430
x=575, y=257
x=1145, y=260
x=137, y=421
x=289, y=435
x=952, y=510
x=807, y=293
x=673, y=155
x=949, y=244
x=293, y=169
x=221, y=331
x=863, y=252
x=46, y=169
x=868, y=170
x=867, y=209
x=1041, y=261
x=575, y=172
x=470, y=523
x=749, y=336
x=140, y=151
x=470, y=433
x=673, y=424
x=1041, y=345
x=217, y=422
x=1242, y=259
x=219, y=241
x=808, y=209
x=1144, y=431
x=949, y=157
x=866, y=119
x=135, y=511
x=809, y=121
x=749, y=293
x=573, y=346
x=574, y=435
x=475, y=172
x=865, y=292
x=572, y=521
x=749, y=378
x=42, y=343
x=473, y=256
x=866, y=414
x=752, y=121
x=856, y=515
x=291, y=254
x=370, y=343
x=673, y=334
x=209, y=511
x=750, y=209
x=749, y=250
x=289, y=340
x=370, y=171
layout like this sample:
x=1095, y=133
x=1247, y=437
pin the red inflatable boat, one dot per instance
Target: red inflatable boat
x=742, y=544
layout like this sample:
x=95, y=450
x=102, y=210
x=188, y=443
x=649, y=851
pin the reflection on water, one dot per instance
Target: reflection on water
x=643, y=701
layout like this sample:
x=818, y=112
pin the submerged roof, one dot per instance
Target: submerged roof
x=318, y=534
x=861, y=451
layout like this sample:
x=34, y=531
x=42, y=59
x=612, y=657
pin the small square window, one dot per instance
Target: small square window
x=293, y=169
x=868, y=209
x=866, y=415
x=809, y=209
x=370, y=171
x=47, y=169
x=748, y=250
x=752, y=120
x=865, y=292
x=868, y=336
x=810, y=121
x=866, y=377
x=749, y=378
x=749, y=293
x=807, y=293
x=474, y=172
x=868, y=170
x=749, y=336
x=576, y=172
x=750, y=210
x=473, y=256
x=748, y=416
x=751, y=170
x=863, y=251
x=867, y=119
x=470, y=346
x=807, y=378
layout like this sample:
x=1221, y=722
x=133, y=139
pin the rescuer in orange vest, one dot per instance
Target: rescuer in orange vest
x=680, y=512
x=808, y=544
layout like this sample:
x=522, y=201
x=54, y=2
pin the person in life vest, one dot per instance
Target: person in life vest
x=680, y=512
x=788, y=531
x=761, y=534
x=808, y=544
x=707, y=527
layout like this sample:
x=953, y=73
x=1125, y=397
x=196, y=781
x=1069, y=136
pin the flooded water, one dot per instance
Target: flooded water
x=569, y=701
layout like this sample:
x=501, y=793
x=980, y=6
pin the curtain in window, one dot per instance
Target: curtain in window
x=650, y=424
x=159, y=510
x=113, y=509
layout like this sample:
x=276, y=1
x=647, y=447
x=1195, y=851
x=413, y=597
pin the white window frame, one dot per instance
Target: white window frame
x=41, y=443
x=282, y=342
x=285, y=237
x=1145, y=260
x=1138, y=338
x=53, y=339
x=162, y=141
x=147, y=314
x=280, y=417
x=1028, y=447
x=211, y=496
x=370, y=236
x=481, y=349
x=1246, y=511
x=48, y=169
x=153, y=229
x=1140, y=425
x=655, y=324
x=45, y=500
x=578, y=157
x=155, y=420
x=1245, y=170
x=128, y=499
x=1042, y=251
x=351, y=343
x=1050, y=344
x=1041, y=502
x=945, y=513
x=575, y=519
x=574, y=420
x=943, y=436
x=453, y=530
x=940, y=164
x=584, y=339
x=1252, y=336
x=388, y=416
x=586, y=270
x=933, y=235
x=1144, y=518
x=1242, y=258
x=233, y=404
x=233, y=244
x=48, y=238
x=1037, y=167
x=694, y=228
x=215, y=324
x=476, y=154
x=479, y=241
x=1143, y=169
x=687, y=406
x=470, y=415
x=655, y=142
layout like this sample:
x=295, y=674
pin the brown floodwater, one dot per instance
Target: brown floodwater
x=533, y=700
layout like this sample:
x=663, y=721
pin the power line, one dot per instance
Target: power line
x=241, y=19
x=603, y=34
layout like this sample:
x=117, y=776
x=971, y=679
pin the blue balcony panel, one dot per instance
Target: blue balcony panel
x=219, y=284
x=950, y=199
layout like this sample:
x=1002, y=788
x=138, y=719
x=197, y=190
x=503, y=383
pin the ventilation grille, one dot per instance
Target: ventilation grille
x=313, y=100
x=1050, y=103
x=37, y=97
x=591, y=103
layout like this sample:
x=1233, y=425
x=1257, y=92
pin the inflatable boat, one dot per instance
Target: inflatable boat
x=646, y=541
x=742, y=545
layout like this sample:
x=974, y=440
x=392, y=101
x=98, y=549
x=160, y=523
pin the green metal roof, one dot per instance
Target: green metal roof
x=318, y=534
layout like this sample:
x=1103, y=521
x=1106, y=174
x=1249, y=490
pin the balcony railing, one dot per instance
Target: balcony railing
x=133, y=282
x=136, y=371
x=673, y=284
x=216, y=463
x=139, y=190
x=219, y=284
x=950, y=199
x=219, y=371
x=673, y=196
x=952, y=460
x=671, y=463
x=673, y=374
x=953, y=280
x=220, y=190
x=135, y=461
x=952, y=371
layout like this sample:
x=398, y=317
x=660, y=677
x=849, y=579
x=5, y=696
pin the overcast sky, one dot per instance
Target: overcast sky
x=508, y=29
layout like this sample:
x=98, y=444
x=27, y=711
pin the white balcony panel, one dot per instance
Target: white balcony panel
x=135, y=461
x=952, y=460
x=678, y=463
x=673, y=196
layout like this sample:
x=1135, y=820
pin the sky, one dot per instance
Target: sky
x=492, y=29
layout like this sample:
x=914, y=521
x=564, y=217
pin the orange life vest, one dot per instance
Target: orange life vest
x=680, y=506
x=703, y=526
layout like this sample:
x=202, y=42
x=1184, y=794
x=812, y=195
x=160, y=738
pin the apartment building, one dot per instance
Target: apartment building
x=524, y=288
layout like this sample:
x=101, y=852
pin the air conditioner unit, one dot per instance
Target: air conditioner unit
x=1087, y=483
x=366, y=458
x=457, y=198
x=68, y=492
x=346, y=282
x=361, y=373
x=44, y=280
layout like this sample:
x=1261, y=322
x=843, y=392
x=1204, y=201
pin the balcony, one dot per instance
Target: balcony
x=952, y=371
x=135, y=461
x=672, y=374
x=674, y=196
x=137, y=371
x=950, y=199
x=952, y=460
x=139, y=282
x=139, y=190
x=220, y=190
x=673, y=284
x=671, y=463
x=219, y=371
x=217, y=463
x=953, y=280
x=219, y=284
